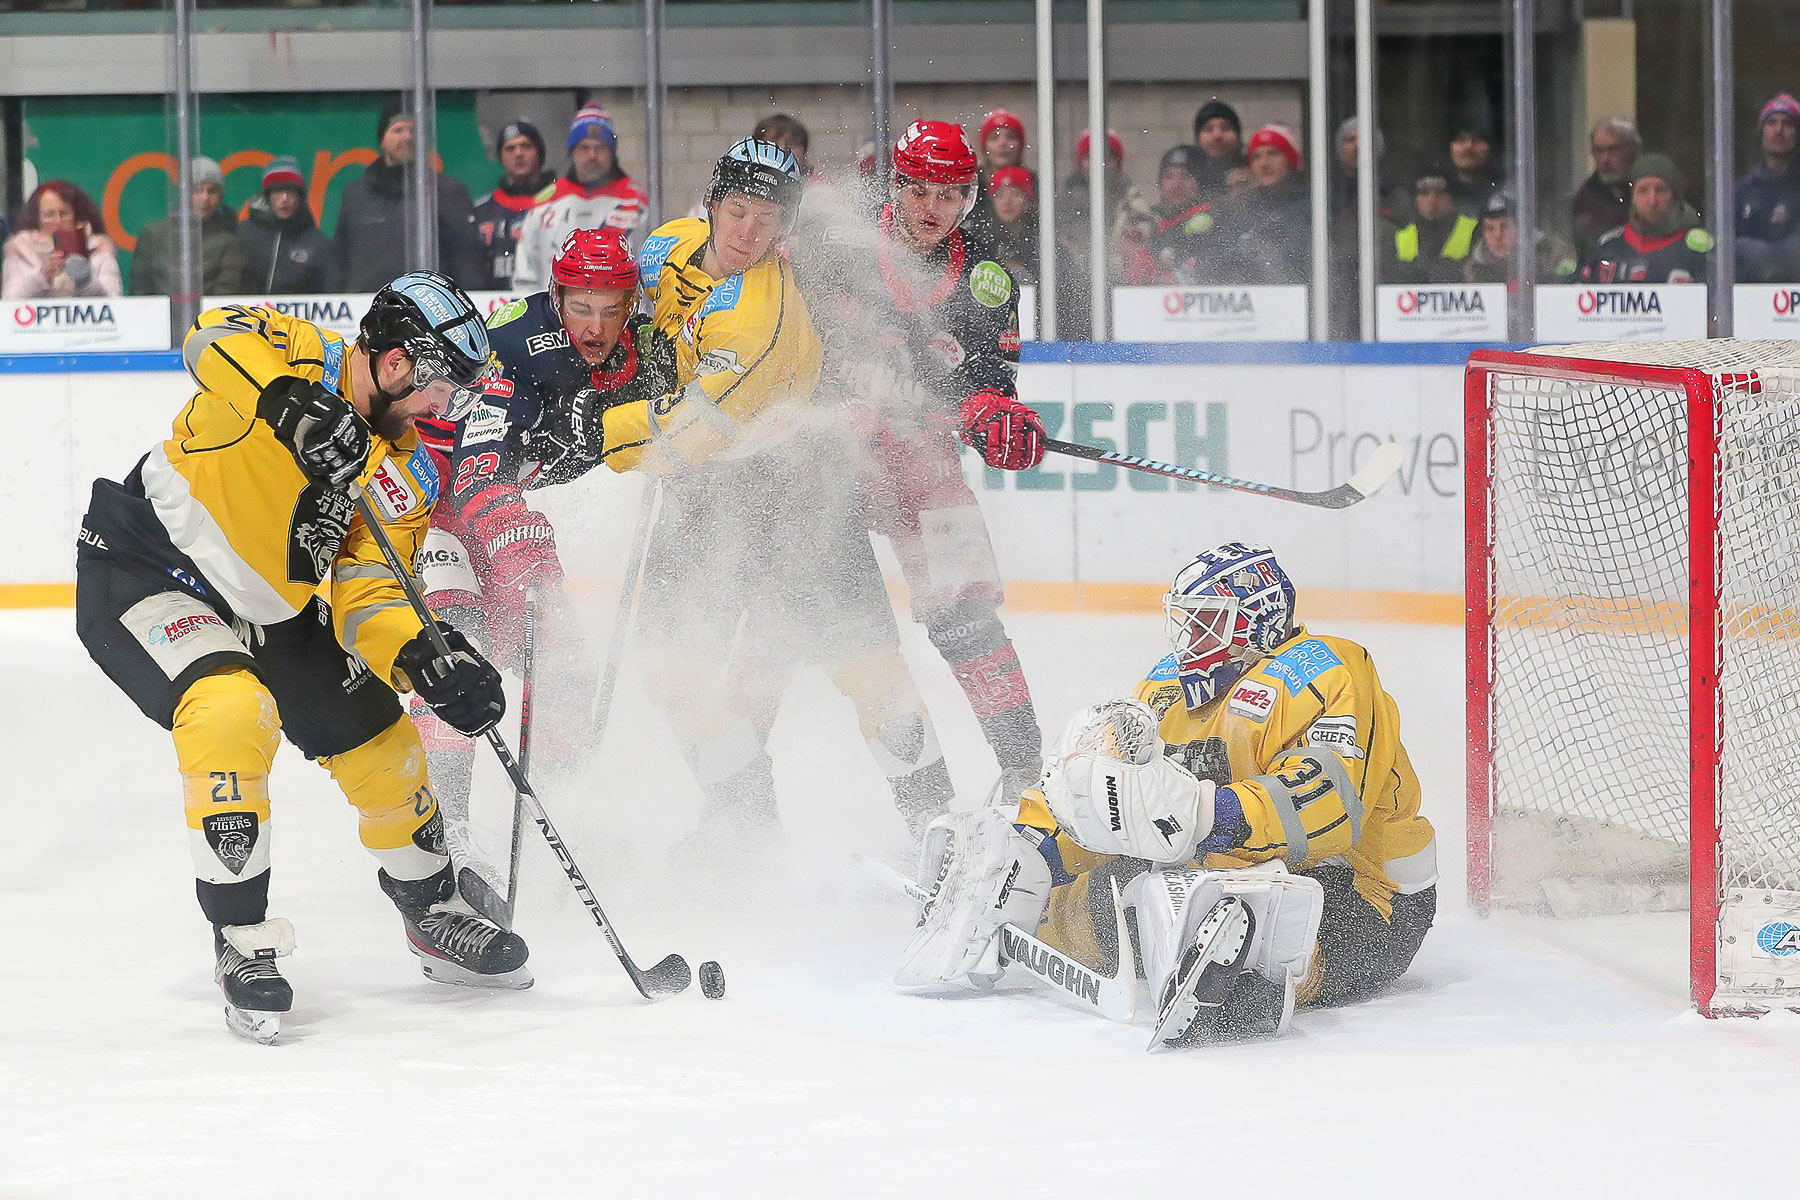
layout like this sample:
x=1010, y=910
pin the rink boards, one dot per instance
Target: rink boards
x=1071, y=535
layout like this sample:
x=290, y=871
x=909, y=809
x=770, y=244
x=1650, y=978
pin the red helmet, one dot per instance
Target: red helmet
x=934, y=152
x=595, y=258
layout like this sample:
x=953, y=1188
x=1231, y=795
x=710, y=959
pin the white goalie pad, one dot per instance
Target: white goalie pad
x=1113, y=790
x=1170, y=904
x=977, y=873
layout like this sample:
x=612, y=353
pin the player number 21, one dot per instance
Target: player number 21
x=222, y=780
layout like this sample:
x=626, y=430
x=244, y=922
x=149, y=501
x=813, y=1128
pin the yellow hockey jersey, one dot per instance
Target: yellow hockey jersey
x=1309, y=743
x=747, y=358
x=232, y=498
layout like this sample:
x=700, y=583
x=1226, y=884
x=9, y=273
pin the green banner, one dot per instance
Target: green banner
x=120, y=149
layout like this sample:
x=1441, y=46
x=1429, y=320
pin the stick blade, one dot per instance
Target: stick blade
x=484, y=898
x=1378, y=470
x=669, y=977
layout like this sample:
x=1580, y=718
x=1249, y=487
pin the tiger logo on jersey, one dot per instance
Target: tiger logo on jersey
x=315, y=532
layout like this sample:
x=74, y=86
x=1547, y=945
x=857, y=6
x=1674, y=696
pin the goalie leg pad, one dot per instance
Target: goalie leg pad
x=979, y=872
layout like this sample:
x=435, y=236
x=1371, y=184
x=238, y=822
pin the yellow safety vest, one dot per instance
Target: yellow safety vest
x=1456, y=246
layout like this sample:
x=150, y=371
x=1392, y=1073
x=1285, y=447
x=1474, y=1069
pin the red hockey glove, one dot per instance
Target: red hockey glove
x=519, y=542
x=1007, y=432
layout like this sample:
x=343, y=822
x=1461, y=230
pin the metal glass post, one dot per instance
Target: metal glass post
x=1046, y=120
x=881, y=30
x=1365, y=167
x=1521, y=318
x=1721, y=164
x=655, y=101
x=1098, y=291
x=186, y=306
x=423, y=252
x=1321, y=167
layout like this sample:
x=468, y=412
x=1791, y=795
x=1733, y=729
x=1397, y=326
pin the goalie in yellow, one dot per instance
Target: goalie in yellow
x=1253, y=803
x=232, y=590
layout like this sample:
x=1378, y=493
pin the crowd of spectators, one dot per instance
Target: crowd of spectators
x=1226, y=209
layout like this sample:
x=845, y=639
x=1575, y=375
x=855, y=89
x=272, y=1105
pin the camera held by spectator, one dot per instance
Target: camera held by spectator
x=1662, y=242
x=56, y=251
x=1768, y=199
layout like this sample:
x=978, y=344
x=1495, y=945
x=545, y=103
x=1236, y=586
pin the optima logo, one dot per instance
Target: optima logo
x=1442, y=302
x=1619, y=303
x=60, y=315
x=318, y=312
x=1787, y=301
x=1209, y=304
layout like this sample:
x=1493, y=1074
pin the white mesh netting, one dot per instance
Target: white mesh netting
x=1592, y=684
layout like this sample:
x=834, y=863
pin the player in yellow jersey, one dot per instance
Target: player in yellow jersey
x=1253, y=801
x=760, y=552
x=201, y=591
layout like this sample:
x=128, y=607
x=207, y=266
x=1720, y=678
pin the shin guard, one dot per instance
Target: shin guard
x=226, y=730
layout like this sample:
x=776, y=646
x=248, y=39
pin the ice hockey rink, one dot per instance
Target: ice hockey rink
x=1512, y=1060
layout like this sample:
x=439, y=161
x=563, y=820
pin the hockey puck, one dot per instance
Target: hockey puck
x=712, y=980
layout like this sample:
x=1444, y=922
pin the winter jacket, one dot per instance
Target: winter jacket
x=224, y=270
x=291, y=257
x=26, y=252
x=1674, y=253
x=500, y=219
x=1596, y=209
x=1274, y=244
x=371, y=230
x=1432, y=251
x=1555, y=263
x=1768, y=225
x=612, y=203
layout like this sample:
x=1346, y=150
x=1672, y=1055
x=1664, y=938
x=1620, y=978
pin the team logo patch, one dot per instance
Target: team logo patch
x=1299, y=666
x=316, y=531
x=392, y=490
x=232, y=836
x=539, y=343
x=509, y=311
x=1251, y=699
x=990, y=284
x=1336, y=734
x=1164, y=698
x=486, y=424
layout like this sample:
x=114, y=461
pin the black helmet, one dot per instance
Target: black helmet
x=760, y=169
x=435, y=323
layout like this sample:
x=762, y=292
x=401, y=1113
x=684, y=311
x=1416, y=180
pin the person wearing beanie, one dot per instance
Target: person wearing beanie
x=1437, y=240
x=1662, y=242
x=1002, y=149
x=1603, y=201
x=370, y=239
x=1474, y=169
x=1013, y=196
x=1072, y=242
x=1274, y=245
x=1219, y=134
x=595, y=193
x=288, y=253
x=224, y=271
x=1177, y=239
x=1491, y=261
x=1768, y=200
x=524, y=182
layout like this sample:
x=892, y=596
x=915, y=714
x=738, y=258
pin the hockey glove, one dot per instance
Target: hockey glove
x=463, y=688
x=328, y=439
x=1007, y=432
x=519, y=542
x=1114, y=791
x=573, y=430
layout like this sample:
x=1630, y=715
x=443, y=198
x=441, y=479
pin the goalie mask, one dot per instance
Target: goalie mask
x=1228, y=608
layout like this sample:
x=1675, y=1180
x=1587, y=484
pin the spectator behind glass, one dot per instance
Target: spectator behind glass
x=595, y=193
x=1002, y=149
x=1178, y=238
x=1768, y=200
x=1074, y=279
x=371, y=226
x=523, y=183
x=788, y=133
x=1437, y=239
x=56, y=251
x=288, y=253
x=224, y=271
x=1220, y=135
x=1015, y=226
x=1274, y=245
x=1475, y=169
x=1603, y=201
x=1491, y=261
x=1662, y=242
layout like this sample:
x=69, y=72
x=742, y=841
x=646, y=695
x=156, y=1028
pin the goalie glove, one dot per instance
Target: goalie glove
x=1114, y=791
x=979, y=872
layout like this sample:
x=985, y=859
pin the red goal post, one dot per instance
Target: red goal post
x=1633, y=646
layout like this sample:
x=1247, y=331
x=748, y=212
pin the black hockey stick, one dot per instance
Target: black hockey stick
x=483, y=896
x=1364, y=483
x=622, y=623
x=667, y=977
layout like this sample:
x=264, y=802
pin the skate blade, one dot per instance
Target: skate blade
x=439, y=971
x=1227, y=946
x=259, y=1027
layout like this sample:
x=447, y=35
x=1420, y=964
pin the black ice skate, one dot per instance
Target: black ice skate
x=244, y=965
x=1209, y=971
x=455, y=945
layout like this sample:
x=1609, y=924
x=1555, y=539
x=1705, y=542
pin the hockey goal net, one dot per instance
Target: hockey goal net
x=1633, y=625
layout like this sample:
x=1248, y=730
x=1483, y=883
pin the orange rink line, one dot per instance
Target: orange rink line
x=1023, y=596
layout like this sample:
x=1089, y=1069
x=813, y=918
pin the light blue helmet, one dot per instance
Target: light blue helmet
x=760, y=169
x=1227, y=609
x=425, y=314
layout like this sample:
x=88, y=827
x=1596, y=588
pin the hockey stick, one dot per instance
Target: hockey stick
x=622, y=623
x=1364, y=483
x=667, y=977
x=483, y=896
x=1111, y=996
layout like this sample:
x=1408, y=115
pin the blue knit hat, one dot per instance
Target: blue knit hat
x=592, y=122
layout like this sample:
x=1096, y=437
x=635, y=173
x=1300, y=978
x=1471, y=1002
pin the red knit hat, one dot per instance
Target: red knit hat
x=1013, y=177
x=1115, y=146
x=1281, y=138
x=1002, y=118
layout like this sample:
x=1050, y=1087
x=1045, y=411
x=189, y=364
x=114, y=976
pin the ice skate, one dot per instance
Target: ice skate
x=244, y=965
x=1209, y=971
x=453, y=944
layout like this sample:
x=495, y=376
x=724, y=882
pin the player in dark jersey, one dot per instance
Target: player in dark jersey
x=921, y=334
x=567, y=352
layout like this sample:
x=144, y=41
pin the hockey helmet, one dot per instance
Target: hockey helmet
x=936, y=152
x=600, y=259
x=426, y=315
x=760, y=169
x=1228, y=608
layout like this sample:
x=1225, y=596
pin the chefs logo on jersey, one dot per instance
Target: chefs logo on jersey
x=990, y=284
x=232, y=836
x=1252, y=699
x=1336, y=734
x=321, y=519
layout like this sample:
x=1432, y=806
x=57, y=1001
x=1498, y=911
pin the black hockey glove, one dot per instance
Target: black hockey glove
x=328, y=439
x=573, y=427
x=464, y=688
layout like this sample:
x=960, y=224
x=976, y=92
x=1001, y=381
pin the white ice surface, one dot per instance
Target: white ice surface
x=1504, y=1064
